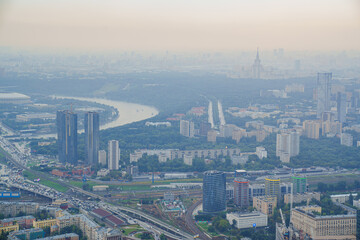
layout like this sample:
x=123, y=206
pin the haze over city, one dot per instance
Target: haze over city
x=322, y=25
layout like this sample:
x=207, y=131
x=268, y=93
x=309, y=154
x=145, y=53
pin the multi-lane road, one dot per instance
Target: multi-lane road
x=19, y=160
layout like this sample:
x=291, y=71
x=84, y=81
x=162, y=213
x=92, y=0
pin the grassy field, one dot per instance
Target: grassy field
x=125, y=187
x=48, y=183
x=132, y=228
x=205, y=227
x=331, y=179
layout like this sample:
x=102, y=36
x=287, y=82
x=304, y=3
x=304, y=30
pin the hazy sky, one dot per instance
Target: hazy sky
x=181, y=25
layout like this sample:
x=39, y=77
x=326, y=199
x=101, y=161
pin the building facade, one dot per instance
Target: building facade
x=247, y=220
x=341, y=107
x=92, y=137
x=102, y=157
x=272, y=188
x=66, y=122
x=241, y=192
x=346, y=139
x=113, y=155
x=311, y=129
x=299, y=184
x=265, y=204
x=214, y=192
x=14, y=208
x=323, y=93
x=330, y=227
x=187, y=128
x=301, y=197
x=287, y=145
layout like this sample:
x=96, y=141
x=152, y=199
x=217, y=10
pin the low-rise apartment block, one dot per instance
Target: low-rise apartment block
x=247, y=220
x=301, y=197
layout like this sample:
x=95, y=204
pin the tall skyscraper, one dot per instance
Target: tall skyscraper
x=299, y=184
x=214, y=192
x=113, y=155
x=287, y=145
x=257, y=68
x=241, y=192
x=323, y=92
x=272, y=188
x=92, y=138
x=187, y=128
x=341, y=107
x=66, y=123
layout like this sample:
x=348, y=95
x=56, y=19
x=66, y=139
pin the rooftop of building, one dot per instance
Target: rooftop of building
x=115, y=220
x=101, y=212
x=213, y=172
x=344, y=195
x=18, y=203
x=16, y=219
x=266, y=198
x=312, y=215
x=82, y=216
x=272, y=179
x=62, y=236
x=247, y=214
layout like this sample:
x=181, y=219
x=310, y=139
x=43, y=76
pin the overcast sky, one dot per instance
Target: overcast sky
x=181, y=25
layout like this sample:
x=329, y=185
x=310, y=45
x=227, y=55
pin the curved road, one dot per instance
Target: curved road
x=190, y=223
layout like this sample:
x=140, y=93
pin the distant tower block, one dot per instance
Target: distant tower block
x=323, y=92
x=257, y=68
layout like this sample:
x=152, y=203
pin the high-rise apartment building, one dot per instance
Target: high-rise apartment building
x=312, y=129
x=66, y=123
x=323, y=92
x=187, y=128
x=347, y=139
x=287, y=145
x=92, y=137
x=241, y=192
x=272, y=188
x=102, y=157
x=113, y=155
x=214, y=192
x=299, y=184
x=341, y=107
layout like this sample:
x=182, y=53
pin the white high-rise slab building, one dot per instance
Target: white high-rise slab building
x=187, y=128
x=287, y=145
x=113, y=155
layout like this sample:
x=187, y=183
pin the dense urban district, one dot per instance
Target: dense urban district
x=179, y=155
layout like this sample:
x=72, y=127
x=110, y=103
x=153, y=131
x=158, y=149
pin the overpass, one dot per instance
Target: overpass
x=169, y=230
x=29, y=190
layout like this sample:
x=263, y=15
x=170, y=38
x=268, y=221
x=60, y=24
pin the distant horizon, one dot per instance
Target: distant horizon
x=182, y=26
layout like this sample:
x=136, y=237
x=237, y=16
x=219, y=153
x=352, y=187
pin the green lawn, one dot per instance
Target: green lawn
x=205, y=227
x=48, y=183
x=132, y=228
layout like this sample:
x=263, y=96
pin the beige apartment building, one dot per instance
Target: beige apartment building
x=334, y=227
x=311, y=129
x=265, y=204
